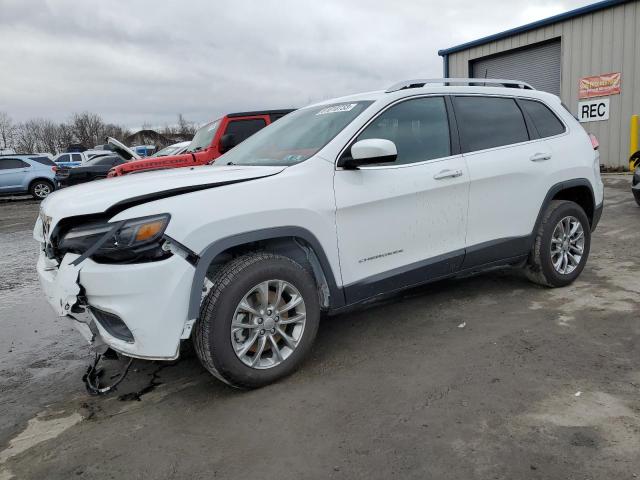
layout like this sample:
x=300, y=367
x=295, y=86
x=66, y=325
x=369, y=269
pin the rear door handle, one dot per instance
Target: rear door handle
x=447, y=174
x=540, y=157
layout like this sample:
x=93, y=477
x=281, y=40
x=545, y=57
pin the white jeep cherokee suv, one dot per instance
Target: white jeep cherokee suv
x=335, y=204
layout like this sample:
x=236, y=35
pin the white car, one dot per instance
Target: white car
x=75, y=159
x=333, y=205
x=175, y=149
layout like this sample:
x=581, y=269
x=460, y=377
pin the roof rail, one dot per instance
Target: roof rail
x=483, y=82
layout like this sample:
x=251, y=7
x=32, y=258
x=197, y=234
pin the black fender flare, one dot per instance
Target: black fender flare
x=216, y=248
x=553, y=191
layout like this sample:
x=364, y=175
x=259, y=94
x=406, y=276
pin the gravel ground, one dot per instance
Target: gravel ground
x=482, y=377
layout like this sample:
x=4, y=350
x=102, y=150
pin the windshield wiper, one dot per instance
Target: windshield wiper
x=230, y=163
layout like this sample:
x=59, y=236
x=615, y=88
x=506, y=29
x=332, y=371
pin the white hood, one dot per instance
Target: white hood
x=99, y=195
x=124, y=151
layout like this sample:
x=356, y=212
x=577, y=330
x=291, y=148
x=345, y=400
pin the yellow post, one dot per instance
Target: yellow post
x=634, y=140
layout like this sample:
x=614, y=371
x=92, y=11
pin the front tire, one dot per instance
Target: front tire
x=258, y=321
x=561, y=247
x=40, y=189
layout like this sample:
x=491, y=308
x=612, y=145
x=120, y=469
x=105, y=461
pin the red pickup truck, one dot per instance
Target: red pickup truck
x=209, y=142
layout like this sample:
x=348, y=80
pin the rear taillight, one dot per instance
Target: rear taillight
x=54, y=169
x=594, y=141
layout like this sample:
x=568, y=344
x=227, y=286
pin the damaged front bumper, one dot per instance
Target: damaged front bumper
x=105, y=301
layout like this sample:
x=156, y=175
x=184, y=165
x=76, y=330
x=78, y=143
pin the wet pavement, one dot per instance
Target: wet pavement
x=482, y=377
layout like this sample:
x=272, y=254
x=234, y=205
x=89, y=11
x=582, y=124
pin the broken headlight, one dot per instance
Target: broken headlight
x=138, y=239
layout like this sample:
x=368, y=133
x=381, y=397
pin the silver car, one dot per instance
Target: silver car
x=22, y=174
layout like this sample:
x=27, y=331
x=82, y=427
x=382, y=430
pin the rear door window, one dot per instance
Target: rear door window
x=243, y=129
x=419, y=128
x=545, y=121
x=11, y=163
x=76, y=157
x=488, y=122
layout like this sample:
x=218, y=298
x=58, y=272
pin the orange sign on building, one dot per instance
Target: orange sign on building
x=600, y=85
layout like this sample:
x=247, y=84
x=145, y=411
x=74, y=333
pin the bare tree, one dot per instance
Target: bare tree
x=116, y=131
x=88, y=128
x=47, y=136
x=185, y=127
x=65, y=137
x=169, y=130
x=27, y=137
x=7, y=130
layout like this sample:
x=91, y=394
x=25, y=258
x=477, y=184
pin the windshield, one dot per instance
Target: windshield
x=295, y=137
x=103, y=160
x=203, y=137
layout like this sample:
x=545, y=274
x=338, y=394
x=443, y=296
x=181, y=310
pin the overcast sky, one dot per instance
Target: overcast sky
x=145, y=61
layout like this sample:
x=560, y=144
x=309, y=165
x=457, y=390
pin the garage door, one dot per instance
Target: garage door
x=538, y=65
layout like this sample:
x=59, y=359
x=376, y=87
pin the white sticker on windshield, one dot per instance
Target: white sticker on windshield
x=345, y=107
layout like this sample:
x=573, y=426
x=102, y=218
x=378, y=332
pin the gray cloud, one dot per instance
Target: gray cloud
x=143, y=61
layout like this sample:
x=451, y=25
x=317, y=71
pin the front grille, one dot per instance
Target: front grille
x=112, y=324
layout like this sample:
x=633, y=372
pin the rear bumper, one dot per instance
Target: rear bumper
x=597, y=214
x=150, y=299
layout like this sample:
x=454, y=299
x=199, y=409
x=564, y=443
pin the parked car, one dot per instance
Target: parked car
x=75, y=159
x=22, y=174
x=175, y=149
x=209, y=142
x=635, y=181
x=144, y=150
x=93, y=169
x=333, y=205
x=115, y=146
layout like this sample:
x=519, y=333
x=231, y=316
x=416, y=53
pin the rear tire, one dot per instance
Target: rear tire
x=272, y=341
x=40, y=189
x=561, y=247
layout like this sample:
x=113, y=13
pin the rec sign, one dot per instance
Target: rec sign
x=593, y=110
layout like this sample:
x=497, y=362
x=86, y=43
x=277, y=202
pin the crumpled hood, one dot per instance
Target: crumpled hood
x=101, y=195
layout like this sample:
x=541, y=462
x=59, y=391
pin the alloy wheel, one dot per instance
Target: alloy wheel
x=567, y=245
x=41, y=190
x=268, y=324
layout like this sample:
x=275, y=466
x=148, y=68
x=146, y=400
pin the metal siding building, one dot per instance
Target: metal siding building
x=553, y=54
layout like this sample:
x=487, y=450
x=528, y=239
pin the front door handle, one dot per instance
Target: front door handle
x=540, y=157
x=447, y=174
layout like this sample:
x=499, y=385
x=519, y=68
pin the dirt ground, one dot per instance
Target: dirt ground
x=487, y=377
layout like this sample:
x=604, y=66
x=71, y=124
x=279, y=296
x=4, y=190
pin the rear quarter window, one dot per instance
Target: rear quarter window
x=43, y=161
x=544, y=120
x=488, y=122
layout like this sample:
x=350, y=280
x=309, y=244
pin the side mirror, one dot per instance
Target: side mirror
x=369, y=152
x=227, y=142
